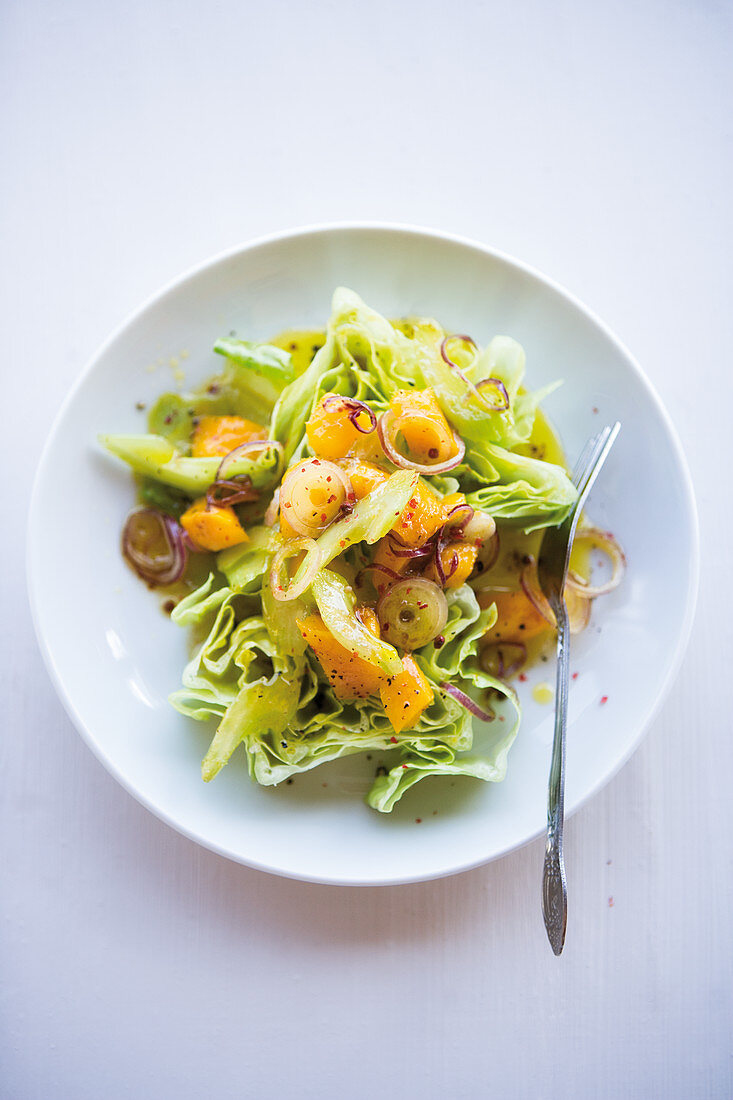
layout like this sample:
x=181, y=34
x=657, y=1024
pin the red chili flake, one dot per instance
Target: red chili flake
x=287, y=505
x=604, y=699
x=610, y=903
x=328, y=478
x=342, y=542
x=331, y=498
x=316, y=462
x=324, y=517
x=523, y=677
x=575, y=676
x=405, y=766
x=412, y=502
x=393, y=740
x=433, y=452
x=418, y=821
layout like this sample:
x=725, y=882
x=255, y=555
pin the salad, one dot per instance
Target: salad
x=349, y=523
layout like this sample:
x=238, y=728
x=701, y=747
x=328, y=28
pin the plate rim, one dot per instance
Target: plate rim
x=396, y=228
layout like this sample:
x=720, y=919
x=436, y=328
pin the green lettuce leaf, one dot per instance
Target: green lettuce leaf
x=245, y=565
x=266, y=360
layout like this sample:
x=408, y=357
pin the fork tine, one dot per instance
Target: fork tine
x=582, y=462
x=603, y=443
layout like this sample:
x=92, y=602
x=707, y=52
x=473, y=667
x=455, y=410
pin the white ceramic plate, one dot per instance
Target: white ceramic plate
x=114, y=657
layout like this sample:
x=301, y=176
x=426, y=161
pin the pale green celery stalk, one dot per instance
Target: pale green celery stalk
x=337, y=605
x=372, y=518
x=157, y=458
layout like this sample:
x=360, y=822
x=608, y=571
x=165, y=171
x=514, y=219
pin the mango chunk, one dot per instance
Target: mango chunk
x=518, y=619
x=330, y=432
x=216, y=436
x=406, y=696
x=351, y=677
x=213, y=528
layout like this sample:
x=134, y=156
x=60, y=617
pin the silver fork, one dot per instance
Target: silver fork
x=552, y=568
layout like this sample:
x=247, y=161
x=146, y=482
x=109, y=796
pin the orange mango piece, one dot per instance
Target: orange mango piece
x=424, y=428
x=465, y=555
x=213, y=528
x=330, y=432
x=350, y=676
x=216, y=436
x=423, y=514
x=406, y=696
x=518, y=619
x=364, y=476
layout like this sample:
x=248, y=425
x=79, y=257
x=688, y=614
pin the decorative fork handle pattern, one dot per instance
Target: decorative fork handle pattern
x=554, y=889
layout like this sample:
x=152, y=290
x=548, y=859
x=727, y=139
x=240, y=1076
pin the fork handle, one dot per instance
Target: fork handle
x=554, y=888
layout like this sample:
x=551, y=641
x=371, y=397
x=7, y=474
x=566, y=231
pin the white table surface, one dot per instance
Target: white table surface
x=590, y=140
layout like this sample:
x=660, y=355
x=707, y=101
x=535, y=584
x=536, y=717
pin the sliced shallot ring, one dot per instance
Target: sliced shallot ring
x=306, y=570
x=467, y=702
x=273, y=508
x=459, y=515
x=166, y=570
x=385, y=426
x=401, y=551
x=501, y=389
x=608, y=545
x=451, y=363
x=244, y=448
x=531, y=587
x=238, y=488
x=577, y=605
x=296, y=483
x=578, y=609
x=356, y=409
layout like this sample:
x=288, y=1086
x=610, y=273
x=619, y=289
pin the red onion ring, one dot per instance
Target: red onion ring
x=531, y=587
x=455, y=511
x=578, y=609
x=577, y=604
x=400, y=551
x=476, y=389
x=159, y=571
x=273, y=508
x=608, y=545
x=244, y=448
x=384, y=428
x=451, y=363
x=356, y=409
x=191, y=545
x=498, y=385
x=236, y=490
x=467, y=702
